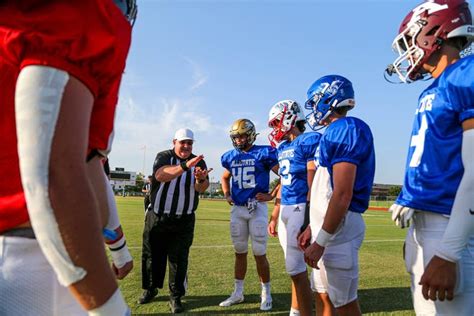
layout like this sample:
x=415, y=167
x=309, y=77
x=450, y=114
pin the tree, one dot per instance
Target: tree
x=394, y=190
x=139, y=182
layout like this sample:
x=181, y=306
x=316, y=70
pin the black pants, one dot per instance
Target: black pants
x=146, y=201
x=166, y=239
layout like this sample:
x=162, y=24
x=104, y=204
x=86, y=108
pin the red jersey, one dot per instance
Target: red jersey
x=89, y=39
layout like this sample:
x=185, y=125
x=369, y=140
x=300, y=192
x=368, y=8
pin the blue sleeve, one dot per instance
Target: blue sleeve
x=344, y=145
x=460, y=88
x=269, y=157
x=310, y=145
x=224, y=161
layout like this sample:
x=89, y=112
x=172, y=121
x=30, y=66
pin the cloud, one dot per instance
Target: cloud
x=199, y=76
x=154, y=128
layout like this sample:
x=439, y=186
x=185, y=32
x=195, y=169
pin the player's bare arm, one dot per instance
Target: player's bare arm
x=69, y=215
x=272, y=225
x=225, y=184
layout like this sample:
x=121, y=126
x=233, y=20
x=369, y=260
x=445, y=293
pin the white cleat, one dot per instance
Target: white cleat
x=266, y=303
x=232, y=300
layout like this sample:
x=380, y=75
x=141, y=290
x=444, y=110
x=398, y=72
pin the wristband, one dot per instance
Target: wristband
x=323, y=238
x=119, y=253
x=115, y=305
x=184, y=166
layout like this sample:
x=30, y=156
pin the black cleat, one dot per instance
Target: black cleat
x=147, y=296
x=176, y=306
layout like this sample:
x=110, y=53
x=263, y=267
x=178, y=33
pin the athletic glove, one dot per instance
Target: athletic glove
x=401, y=215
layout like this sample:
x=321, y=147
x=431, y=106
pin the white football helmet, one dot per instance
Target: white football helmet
x=282, y=118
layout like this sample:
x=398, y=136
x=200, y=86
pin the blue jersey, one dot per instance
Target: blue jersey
x=349, y=139
x=434, y=167
x=250, y=171
x=293, y=158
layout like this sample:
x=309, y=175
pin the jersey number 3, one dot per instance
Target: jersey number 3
x=244, y=177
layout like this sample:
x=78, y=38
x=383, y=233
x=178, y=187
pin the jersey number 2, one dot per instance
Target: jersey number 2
x=285, y=172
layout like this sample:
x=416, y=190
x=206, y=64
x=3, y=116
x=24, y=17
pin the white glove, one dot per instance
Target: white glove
x=401, y=215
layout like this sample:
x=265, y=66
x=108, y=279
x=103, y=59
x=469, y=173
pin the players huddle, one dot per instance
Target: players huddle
x=325, y=175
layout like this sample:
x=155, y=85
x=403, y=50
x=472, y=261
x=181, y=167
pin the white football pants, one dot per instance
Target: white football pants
x=28, y=284
x=423, y=236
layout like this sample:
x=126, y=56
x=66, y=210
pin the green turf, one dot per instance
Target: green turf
x=383, y=288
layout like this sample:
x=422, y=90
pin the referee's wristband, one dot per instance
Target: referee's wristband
x=184, y=166
x=323, y=238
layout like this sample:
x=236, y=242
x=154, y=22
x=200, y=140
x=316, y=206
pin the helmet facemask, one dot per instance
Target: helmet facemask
x=410, y=55
x=282, y=122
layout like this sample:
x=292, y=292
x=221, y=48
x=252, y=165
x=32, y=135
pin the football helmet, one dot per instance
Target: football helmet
x=243, y=127
x=423, y=31
x=282, y=118
x=325, y=95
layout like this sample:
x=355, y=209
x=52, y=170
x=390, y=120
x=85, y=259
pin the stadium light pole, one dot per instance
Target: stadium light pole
x=144, y=159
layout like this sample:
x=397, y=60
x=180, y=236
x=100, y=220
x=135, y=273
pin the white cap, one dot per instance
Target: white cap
x=184, y=134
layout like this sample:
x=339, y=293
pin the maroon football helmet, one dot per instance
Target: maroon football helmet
x=424, y=30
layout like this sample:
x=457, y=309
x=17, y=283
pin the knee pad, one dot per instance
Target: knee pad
x=258, y=233
x=38, y=96
x=239, y=237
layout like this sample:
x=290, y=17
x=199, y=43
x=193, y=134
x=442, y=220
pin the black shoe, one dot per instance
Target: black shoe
x=147, y=296
x=176, y=305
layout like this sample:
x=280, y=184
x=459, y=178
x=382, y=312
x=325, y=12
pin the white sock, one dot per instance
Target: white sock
x=294, y=312
x=239, y=286
x=266, y=289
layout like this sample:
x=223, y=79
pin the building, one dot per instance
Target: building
x=119, y=178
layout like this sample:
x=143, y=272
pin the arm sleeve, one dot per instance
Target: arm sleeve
x=461, y=223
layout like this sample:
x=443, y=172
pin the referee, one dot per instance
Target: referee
x=179, y=177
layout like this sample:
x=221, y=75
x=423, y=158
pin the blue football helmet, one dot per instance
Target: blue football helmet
x=325, y=95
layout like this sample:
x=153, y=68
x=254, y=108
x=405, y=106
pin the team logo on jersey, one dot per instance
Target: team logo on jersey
x=243, y=163
x=426, y=104
x=286, y=154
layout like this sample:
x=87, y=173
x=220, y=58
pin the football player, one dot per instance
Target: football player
x=437, y=194
x=248, y=166
x=61, y=63
x=295, y=157
x=346, y=154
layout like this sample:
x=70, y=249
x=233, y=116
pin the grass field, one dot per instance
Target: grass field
x=383, y=286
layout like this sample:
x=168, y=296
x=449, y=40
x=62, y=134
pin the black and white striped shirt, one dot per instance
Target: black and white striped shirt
x=178, y=196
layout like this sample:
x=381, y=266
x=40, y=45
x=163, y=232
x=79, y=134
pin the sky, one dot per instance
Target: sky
x=202, y=64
